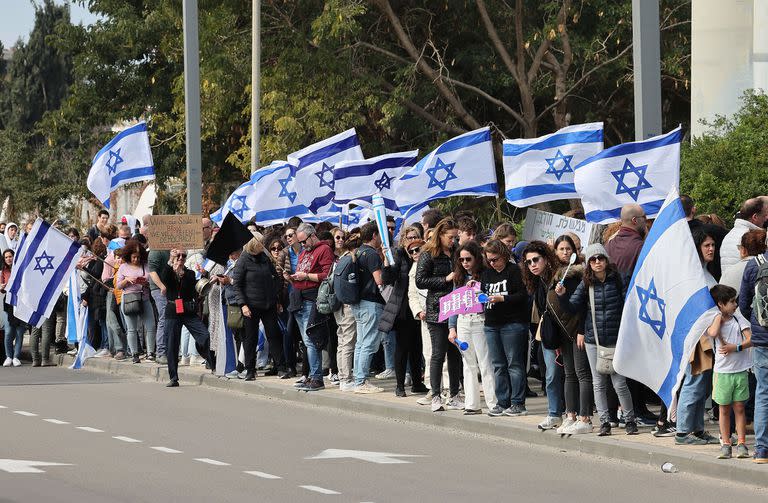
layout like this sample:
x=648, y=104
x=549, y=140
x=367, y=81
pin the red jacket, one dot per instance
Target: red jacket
x=624, y=249
x=317, y=261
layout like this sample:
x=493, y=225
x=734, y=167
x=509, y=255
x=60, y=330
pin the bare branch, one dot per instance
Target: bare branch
x=421, y=112
x=506, y=58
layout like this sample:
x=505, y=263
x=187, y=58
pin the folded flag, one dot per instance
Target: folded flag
x=640, y=172
x=668, y=306
x=315, y=163
x=537, y=170
x=127, y=158
x=462, y=166
x=356, y=181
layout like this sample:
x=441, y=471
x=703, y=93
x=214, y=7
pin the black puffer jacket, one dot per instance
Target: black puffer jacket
x=255, y=281
x=609, y=303
x=430, y=275
x=397, y=307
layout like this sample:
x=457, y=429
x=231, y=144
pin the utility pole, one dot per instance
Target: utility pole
x=255, y=85
x=646, y=57
x=192, y=107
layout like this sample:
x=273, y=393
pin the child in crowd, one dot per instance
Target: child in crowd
x=730, y=382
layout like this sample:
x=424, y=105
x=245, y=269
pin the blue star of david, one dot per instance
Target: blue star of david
x=642, y=182
x=432, y=172
x=241, y=208
x=321, y=175
x=646, y=296
x=113, y=161
x=566, y=166
x=39, y=266
x=284, y=192
x=385, y=182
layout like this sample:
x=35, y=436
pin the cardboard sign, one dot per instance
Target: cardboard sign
x=460, y=301
x=166, y=232
x=545, y=226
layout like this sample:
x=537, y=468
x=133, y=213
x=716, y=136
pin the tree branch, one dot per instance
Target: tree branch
x=506, y=58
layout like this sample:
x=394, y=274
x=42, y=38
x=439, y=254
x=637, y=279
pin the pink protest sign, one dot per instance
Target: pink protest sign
x=460, y=301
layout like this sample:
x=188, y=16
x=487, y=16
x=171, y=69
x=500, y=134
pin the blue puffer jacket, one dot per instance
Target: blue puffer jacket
x=609, y=303
x=746, y=295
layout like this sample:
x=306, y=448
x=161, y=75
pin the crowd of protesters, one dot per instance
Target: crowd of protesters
x=549, y=308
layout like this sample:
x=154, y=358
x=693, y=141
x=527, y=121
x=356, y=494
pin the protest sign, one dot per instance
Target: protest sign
x=545, y=226
x=460, y=301
x=166, y=232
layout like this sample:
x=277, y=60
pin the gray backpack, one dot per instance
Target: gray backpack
x=760, y=301
x=327, y=302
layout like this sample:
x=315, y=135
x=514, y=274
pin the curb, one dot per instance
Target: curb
x=734, y=470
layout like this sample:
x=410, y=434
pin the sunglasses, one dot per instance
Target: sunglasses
x=289, y=235
x=598, y=258
x=531, y=261
x=465, y=260
x=304, y=242
x=414, y=251
x=493, y=260
x=276, y=248
x=181, y=255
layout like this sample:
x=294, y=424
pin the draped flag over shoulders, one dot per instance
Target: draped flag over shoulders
x=315, y=164
x=356, y=181
x=41, y=272
x=127, y=158
x=462, y=166
x=668, y=305
x=537, y=170
x=640, y=172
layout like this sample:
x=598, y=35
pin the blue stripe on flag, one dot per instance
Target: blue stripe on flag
x=132, y=173
x=634, y=147
x=58, y=275
x=329, y=151
x=483, y=190
x=557, y=140
x=464, y=142
x=650, y=208
x=369, y=169
x=138, y=128
x=687, y=316
x=519, y=193
x=29, y=255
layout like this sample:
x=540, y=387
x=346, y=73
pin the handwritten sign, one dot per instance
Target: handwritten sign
x=460, y=301
x=544, y=226
x=166, y=232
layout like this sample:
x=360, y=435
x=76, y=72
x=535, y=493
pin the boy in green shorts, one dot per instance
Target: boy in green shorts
x=730, y=383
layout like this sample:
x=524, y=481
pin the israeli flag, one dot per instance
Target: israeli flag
x=315, y=163
x=73, y=301
x=41, y=272
x=79, y=324
x=668, y=306
x=269, y=197
x=125, y=159
x=461, y=166
x=640, y=172
x=541, y=169
x=356, y=181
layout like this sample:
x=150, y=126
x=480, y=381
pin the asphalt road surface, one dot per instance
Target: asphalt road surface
x=128, y=440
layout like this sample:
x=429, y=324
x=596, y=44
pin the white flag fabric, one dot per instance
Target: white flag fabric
x=668, y=305
x=41, y=272
x=269, y=197
x=80, y=322
x=356, y=181
x=537, y=170
x=127, y=158
x=461, y=166
x=315, y=165
x=640, y=172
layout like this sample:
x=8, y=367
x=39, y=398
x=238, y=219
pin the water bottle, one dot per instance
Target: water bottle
x=669, y=468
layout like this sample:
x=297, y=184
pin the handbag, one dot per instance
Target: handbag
x=133, y=303
x=604, y=355
x=235, y=320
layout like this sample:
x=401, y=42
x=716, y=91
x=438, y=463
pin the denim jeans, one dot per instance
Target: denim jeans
x=14, y=337
x=389, y=341
x=690, y=404
x=600, y=387
x=554, y=383
x=314, y=354
x=367, y=316
x=760, y=368
x=160, y=303
x=134, y=322
x=186, y=348
x=508, y=348
x=116, y=334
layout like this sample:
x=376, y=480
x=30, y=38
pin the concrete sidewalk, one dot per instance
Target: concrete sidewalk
x=643, y=448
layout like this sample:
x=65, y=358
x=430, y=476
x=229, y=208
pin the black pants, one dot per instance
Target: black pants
x=441, y=348
x=333, y=345
x=199, y=332
x=251, y=336
x=408, y=346
x=289, y=350
x=578, y=380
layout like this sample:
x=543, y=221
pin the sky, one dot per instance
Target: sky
x=18, y=17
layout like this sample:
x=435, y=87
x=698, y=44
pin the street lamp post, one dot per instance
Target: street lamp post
x=646, y=57
x=192, y=107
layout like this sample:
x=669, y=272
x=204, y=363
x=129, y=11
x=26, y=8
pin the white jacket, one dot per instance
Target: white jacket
x=729, y=250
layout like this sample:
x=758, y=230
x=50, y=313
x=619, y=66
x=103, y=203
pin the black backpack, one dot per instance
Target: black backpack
x=346, y=279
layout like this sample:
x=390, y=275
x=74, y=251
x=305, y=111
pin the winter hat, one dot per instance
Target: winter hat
x=596, y=249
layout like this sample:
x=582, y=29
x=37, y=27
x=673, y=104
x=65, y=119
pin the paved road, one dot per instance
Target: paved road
x=194, y=444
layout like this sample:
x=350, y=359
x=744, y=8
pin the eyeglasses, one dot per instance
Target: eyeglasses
x=493, y=260
x=414, y=251
x=598, y=258
x=276, y=248
x=304, y=242
x=533, y=260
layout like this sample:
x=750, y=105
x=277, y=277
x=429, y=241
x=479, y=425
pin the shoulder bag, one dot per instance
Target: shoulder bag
x=604, y=355
x=133, y=303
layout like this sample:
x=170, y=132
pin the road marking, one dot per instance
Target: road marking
x=127, y=439
x=3, y=407
x=167, y=450
x=24, y=466
x=24, y=413
x=383, y=458
x=210, y=461
x=264, y=475
x=320, y=490
x=55, y=421
x=89, y=429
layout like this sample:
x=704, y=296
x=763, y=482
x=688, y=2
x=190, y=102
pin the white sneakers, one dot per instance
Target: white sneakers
x=16, y=362
x=454, y=403
x=425, y=400
x=387, y=374
x=549, y=423
x=102, y=353
x=366, y=388
x=12, y=361
x=578, y=428
x=566, y=424
x=437, y=403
